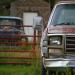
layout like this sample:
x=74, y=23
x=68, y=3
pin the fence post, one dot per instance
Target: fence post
x=34, y=43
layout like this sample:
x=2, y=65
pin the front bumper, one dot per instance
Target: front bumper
x=59, y=62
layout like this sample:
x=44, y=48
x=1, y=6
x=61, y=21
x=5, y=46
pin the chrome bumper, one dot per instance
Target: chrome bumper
x=59, y=62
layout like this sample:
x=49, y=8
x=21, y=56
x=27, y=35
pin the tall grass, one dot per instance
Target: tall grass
x=19, y=69
x=28, y=47
x=33, y=69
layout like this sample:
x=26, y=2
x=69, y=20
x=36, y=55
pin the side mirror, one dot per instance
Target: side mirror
x=38, y=23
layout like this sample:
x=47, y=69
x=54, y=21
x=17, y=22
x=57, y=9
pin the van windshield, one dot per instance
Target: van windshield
x=64, y=14
x=15, y=23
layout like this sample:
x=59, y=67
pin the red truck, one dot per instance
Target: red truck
x=58, y=40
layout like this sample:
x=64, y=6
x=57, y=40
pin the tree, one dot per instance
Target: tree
x=5, y=2
x=5, y=6
x=52, y=2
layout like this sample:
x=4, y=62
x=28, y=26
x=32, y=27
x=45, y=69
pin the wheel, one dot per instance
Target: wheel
x=43, y=70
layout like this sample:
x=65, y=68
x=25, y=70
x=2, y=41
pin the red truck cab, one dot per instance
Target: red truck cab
x=58, y=40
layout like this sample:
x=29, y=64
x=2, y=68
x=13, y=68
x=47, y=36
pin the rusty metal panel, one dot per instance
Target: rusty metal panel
x=16, y=50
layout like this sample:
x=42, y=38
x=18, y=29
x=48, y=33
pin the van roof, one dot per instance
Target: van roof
x=10, y=17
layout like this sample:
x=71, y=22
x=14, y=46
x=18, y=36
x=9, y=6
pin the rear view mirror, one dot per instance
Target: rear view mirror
x=38, y=23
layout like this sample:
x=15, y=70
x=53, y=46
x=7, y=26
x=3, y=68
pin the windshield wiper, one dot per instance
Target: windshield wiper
x=67, y=23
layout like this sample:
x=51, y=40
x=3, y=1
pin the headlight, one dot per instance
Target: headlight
x=55, y=40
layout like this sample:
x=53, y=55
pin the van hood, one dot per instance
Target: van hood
x=65, y=29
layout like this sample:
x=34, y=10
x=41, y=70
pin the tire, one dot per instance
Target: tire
x=43, y=70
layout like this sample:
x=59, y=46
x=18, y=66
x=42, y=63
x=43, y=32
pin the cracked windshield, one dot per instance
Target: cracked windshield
x=64, y=15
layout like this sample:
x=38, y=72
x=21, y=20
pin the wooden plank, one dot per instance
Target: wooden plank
x=9, y=57
x=27, y=51
x=16, y=63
